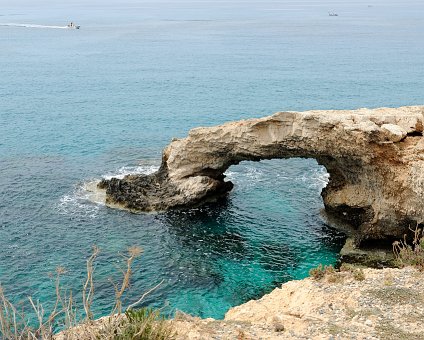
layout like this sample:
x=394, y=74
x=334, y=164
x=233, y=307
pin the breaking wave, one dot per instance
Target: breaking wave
x=86, y=200
x=247, y=176
x=78, y=202
x=132, y=170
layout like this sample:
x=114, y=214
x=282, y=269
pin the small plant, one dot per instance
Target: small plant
x=334, y=278
x=144, y=324
x=410, y=254
x=137, y=324
x=321, y=271
x=357, y=273
x=241, y=335
x=317, y=273
x=388, y=279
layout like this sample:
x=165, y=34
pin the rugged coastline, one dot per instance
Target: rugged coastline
x=385, y=304
x=378, y=304
x=374, y=158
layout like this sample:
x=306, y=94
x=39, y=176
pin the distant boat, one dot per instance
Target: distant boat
x=73, y=26
x=333, y=14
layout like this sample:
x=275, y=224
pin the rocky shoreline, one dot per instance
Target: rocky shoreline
x=385, y=304
x=353, y=303
x=375, y=159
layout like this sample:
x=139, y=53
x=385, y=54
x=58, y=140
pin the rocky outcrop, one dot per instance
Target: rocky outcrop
x=384, y=304
x=378, y=304
x=375, y=159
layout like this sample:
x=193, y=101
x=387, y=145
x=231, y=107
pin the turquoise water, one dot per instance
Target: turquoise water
x=79, y=105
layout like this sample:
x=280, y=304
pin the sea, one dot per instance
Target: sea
x=102, y=101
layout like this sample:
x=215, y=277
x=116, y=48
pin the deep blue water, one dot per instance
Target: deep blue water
x=104, y=100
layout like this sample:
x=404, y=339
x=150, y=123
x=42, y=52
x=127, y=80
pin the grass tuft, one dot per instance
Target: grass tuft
x=321, y=271
x=357, y=273
x=407, y=254
x=336, y=276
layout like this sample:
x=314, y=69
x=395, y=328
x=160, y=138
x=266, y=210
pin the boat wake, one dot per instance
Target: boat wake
x=33, y=26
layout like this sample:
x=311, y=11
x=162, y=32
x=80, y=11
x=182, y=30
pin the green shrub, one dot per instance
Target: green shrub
x=145, y=324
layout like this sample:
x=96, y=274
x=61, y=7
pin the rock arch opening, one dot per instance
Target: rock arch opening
x=374, y=159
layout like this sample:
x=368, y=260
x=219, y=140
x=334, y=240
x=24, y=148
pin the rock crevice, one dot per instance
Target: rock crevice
x=375, y=158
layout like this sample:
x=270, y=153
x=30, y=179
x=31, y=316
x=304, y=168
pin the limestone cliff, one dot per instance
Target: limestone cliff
x=375, y=159
x=386, y=304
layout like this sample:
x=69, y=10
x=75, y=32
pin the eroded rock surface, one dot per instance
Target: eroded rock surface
x=375, y=159
x=386, y=304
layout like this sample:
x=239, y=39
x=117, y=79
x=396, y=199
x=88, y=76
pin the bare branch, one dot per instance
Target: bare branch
x=144, y=295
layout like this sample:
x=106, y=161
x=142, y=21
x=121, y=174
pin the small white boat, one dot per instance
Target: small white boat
x=73, y=26
x=333, y=14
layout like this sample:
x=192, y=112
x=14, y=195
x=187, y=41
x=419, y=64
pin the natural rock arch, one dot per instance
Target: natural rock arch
x=375, y=159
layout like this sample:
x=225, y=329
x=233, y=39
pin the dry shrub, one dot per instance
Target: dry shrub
x=133, y=253
x=137, y=324
x=357, y=273
x=14, y=324
x=321, y=271
x=333, y=276
x=410, y=254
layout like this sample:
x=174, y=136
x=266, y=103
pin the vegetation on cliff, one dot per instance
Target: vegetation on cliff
x=410, y=253
x=380, y=304
x=130, y=323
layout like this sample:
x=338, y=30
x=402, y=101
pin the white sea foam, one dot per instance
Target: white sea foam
x=33, y=26
x=249, y=173
x=132, y=170
x=316, y=178
x=86, y=199
x=250, y=176
x=77, y=202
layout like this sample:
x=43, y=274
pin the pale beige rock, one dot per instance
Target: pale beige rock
x=393, y=132
x=387, y=304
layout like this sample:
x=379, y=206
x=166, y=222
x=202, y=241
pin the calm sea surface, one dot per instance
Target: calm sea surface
x=77, y=105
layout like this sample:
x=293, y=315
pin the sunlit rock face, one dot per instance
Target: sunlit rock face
x=375, y=159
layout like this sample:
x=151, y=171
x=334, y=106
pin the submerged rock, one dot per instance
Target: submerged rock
x=375, y=159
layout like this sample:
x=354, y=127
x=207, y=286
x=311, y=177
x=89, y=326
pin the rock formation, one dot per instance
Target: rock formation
x=375, y=159
x=386, y=304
